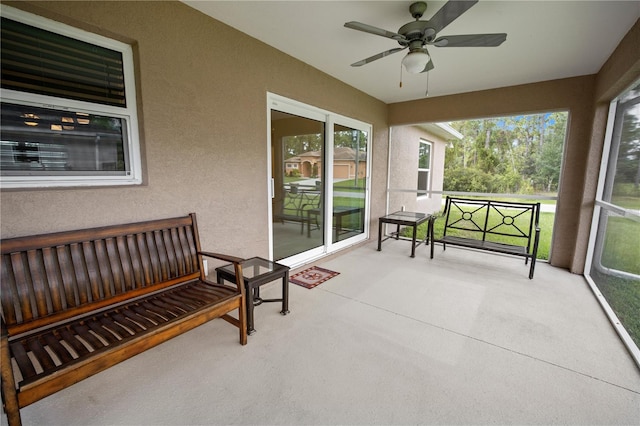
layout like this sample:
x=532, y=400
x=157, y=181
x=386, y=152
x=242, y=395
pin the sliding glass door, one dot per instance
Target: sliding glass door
x=297, y=149
x=318, y=181
x=349, y=182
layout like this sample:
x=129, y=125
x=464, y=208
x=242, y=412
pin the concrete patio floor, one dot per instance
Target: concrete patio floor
x=465, y=338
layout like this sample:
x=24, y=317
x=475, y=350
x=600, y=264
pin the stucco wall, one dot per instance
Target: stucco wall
x=202, y=99
x=403, y=174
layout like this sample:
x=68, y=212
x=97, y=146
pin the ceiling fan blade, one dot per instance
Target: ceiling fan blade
x=449, y=12
x=471, y=40
x=373, y=30
x=376, y=57
x=428, y=67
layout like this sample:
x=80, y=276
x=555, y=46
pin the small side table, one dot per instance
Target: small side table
x=405, y=219
x=256, y=272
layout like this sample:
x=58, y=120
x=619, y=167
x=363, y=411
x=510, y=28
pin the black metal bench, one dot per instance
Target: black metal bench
x=496, y=226
x=297, y=204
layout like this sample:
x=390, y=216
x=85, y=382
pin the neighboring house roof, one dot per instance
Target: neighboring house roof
x=340, y=153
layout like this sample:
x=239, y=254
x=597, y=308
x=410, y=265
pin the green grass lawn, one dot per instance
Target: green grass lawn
x=623, y=295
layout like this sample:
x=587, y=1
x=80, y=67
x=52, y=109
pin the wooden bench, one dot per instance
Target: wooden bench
x=496, y=226
x=75, y=303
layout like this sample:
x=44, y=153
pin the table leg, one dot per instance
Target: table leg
x=413, y=241
x=249, y=306
x=379, y=234
x=398, y=232
x=285, y=294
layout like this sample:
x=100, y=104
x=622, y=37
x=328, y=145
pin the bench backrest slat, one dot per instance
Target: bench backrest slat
x=56, y=275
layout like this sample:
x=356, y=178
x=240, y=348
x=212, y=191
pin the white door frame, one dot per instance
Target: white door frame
x=291, y=106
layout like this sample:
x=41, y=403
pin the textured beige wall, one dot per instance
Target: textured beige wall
x=404, y=169
x=202, y=88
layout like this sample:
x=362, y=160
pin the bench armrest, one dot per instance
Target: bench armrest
x=237, y=266
x=225, y=257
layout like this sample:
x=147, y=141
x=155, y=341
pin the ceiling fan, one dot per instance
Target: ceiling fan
x=417, y=35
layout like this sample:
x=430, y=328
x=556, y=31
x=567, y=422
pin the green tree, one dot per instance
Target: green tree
x=515, y=154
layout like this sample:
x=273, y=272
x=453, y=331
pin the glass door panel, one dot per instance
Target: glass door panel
x=297, y=150
x=349, y=179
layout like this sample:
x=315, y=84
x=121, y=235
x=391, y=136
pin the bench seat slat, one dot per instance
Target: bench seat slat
x=114, y=327
x=189, y=304
x=170, y=307
x=70, y=338
x=54, y=344
x=126, y=322
x=96, y=326
x=153, y=316
x=200, y=294
x=145, y=323
x=22, y=359
x=85, y=334
x=41, y=354
x=163, y=312
x=485, y=245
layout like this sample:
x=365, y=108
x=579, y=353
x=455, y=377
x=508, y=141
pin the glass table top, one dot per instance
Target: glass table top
x=255, y=266
x=408, y=216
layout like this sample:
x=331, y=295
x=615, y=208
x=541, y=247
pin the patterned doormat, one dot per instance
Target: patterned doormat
x=309, y=278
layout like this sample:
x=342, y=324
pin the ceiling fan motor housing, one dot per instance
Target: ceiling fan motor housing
x=416, y=30
x=417, y=9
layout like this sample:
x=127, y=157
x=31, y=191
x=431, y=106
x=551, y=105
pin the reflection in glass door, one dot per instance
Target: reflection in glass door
x=297, y=150
x=319, y=181
x=349, y=178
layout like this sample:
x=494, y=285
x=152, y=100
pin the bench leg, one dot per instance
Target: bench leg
x=10, y=397
x=531, y=269
x=430, y=231
x=242, y=322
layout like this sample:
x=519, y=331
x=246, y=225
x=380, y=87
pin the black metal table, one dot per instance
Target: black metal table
x=256, y=272
x=403, y=218
x=338, y=213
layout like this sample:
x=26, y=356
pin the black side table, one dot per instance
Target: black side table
x=256, y=272
x=406, y=219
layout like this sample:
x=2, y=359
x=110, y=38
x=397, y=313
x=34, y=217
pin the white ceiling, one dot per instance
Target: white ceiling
x=546, y=40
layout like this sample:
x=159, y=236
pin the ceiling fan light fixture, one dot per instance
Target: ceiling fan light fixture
x=415, y=62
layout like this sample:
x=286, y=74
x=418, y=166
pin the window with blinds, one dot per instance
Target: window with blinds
x=68, y=106
x=39, y=61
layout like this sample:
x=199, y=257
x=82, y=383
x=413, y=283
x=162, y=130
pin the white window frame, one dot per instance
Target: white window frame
x=128, y=114
x=427, y=170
